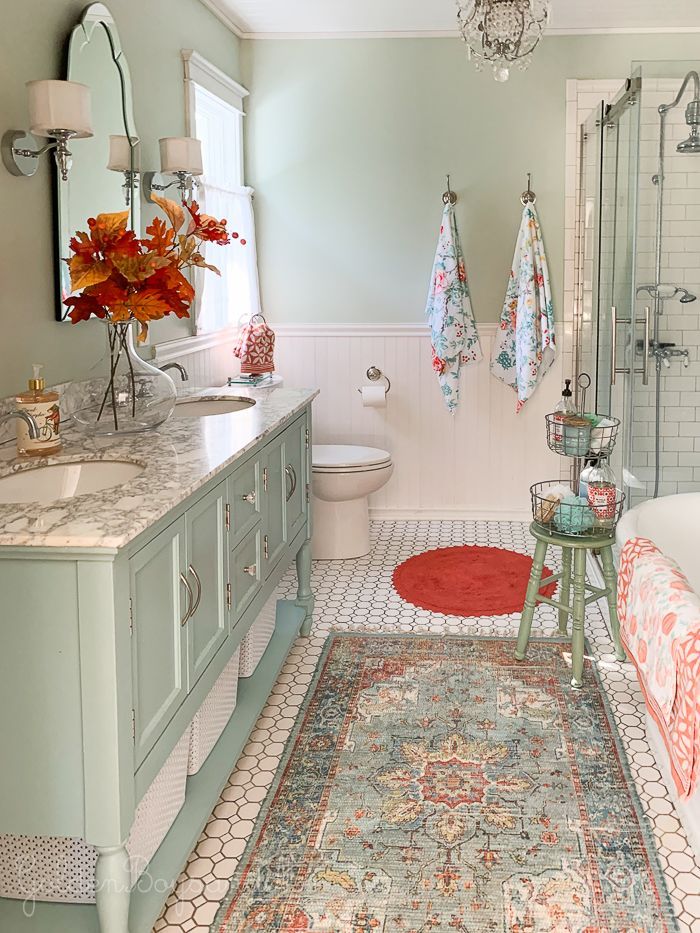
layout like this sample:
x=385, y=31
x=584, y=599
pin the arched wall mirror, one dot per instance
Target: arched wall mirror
x=104, y=172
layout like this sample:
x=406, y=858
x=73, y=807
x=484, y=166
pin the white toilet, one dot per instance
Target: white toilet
x=343, y=477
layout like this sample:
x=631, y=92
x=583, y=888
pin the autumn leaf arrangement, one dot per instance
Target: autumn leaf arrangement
x=121, y=278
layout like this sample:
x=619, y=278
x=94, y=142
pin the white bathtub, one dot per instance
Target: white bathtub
x=673, y=524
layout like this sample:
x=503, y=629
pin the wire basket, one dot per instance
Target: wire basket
x=572, y=516
x=581, y=435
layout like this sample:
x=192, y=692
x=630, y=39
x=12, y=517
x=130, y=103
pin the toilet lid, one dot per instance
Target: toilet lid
x=347, y=456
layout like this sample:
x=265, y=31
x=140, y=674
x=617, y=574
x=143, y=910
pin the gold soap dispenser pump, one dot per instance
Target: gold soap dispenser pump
x=42, y=404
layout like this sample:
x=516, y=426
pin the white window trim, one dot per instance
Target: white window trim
x=213, y=79
x=198, y=70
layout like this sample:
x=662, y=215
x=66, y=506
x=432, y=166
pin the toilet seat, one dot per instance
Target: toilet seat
x=347, y=458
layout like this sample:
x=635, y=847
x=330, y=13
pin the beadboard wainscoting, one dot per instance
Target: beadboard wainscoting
x=478, y=463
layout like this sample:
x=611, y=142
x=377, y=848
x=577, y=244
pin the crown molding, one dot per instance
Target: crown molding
x=454, y=34
x=224, y=18
x=242, y=32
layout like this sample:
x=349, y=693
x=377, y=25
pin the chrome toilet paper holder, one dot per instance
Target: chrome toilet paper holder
x=374, y=374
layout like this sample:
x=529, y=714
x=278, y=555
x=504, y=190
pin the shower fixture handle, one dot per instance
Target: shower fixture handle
x=647, y=336
x=646, y=346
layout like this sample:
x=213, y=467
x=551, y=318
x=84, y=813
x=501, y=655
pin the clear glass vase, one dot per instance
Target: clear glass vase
x=122, y=393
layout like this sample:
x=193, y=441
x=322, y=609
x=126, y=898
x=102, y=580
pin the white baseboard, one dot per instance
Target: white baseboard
x=449, y=515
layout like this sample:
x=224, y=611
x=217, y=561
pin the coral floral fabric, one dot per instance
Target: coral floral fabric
x=660, y=627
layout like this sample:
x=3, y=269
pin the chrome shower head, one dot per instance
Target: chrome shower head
x=686, y=296
x=692, y=118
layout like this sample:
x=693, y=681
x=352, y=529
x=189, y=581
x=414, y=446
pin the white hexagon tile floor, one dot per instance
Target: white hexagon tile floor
x=358, y=595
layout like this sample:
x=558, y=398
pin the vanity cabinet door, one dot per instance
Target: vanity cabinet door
x=208, y=625
x=274, y=491
x=295, y=468
x=159, y=603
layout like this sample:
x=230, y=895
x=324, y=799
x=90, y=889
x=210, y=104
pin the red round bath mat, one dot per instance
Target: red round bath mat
x=467, y=581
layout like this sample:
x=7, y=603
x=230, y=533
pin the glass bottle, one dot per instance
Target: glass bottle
x=565, y=407
x=42, y=404
x=602, y=493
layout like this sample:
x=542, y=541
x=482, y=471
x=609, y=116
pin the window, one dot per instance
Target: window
x=215, y=116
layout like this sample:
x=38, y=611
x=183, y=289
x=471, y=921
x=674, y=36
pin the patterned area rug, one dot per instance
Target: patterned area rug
x=435, y=784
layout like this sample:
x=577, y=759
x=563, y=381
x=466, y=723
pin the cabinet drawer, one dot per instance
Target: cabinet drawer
x=245, y=500
x=246, y=573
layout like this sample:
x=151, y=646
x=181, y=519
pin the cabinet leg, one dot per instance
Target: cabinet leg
x=305, y=597
x=579, y=618
x=113, y=889
x=611, y=586
x=533, y=589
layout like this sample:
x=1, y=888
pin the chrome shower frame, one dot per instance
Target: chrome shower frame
x=692, y=115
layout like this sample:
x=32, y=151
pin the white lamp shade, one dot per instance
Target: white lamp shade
x=120, y=154
x=180, y=154
x=59, y=105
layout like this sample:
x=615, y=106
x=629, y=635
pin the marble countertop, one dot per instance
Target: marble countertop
x=178, y=459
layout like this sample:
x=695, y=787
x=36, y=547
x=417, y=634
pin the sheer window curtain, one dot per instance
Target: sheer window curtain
x=222, y=301
x=225, y=299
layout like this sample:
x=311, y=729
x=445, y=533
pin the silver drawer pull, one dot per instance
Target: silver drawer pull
x=190, y=598
x=292, y=476
x=249, y=498
x=199, y=589
x=252, y=571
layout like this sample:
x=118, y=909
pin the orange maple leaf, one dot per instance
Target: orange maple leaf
x=161, y=239
x=105, y=227
x=140, y=267
x=172, y=211
x=86, y=271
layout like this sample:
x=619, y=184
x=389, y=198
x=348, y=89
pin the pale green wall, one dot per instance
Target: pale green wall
x=348, y=145
x=31, y=46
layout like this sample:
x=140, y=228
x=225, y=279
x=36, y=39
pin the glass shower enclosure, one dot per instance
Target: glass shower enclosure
x=636, y=320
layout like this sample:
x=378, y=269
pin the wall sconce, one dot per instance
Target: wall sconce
x=59, y=110
x=180, y=156
x=124, y=157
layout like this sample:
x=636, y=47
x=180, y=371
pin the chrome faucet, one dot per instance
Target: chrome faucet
x=28, y=419
x=181, y=369
x=663, y=353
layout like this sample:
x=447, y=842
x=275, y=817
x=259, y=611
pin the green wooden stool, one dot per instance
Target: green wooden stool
x=579, y=545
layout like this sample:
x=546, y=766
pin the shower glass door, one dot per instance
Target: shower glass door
x=609, y=157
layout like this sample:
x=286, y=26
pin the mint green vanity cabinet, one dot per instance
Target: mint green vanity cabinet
x=108, y=653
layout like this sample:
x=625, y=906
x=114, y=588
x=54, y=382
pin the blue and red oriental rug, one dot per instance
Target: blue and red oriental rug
x=436, y=785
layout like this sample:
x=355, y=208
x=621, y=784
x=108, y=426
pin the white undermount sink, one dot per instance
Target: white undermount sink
x=208, y=405
x=65, y=480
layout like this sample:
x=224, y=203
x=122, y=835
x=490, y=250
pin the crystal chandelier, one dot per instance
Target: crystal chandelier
x=502, y=32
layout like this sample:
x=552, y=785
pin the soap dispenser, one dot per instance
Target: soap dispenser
x=42, y=405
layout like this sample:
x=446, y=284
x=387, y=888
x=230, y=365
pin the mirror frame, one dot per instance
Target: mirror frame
x=94, y=16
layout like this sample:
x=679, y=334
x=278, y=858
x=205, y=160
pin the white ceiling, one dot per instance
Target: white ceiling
x=437, y=17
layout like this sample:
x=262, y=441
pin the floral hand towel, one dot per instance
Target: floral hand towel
x=660, y=629
x=453, y=332
x=525, y=347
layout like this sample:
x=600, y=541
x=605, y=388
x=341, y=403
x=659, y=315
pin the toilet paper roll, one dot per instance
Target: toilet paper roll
x=374, y=396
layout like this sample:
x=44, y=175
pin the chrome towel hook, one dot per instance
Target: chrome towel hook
x=449, y=197
x=529, y=196
x=374, y=374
